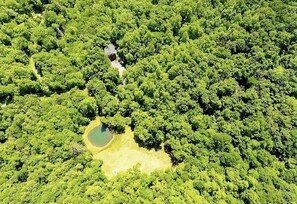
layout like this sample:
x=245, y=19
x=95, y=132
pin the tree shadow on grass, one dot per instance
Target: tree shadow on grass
x=155, y=146
x=168, y=150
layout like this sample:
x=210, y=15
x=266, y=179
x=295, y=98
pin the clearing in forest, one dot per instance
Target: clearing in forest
x=123, y=153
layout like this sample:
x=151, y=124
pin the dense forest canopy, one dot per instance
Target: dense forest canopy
x=215, y=82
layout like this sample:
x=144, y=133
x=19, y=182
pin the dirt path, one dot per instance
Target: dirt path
x=118, y=66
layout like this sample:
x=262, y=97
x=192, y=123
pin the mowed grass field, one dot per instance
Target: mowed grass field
x=123, y=153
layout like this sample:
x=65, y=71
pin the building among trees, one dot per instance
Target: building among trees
x=111, y=52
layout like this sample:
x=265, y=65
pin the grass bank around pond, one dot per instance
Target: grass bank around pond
x=123, y=153
x=90, y=127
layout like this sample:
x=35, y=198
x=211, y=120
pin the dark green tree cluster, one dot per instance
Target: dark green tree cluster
x=215, y=82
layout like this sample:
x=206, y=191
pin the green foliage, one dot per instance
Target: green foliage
x=214, y=82
x=117, y=123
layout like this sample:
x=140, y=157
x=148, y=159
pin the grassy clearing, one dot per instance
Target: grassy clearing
x=123, y=153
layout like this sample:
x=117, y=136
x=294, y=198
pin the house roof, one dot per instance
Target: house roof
x=110, y=49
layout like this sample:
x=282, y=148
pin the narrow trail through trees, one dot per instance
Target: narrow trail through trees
x=33, y=68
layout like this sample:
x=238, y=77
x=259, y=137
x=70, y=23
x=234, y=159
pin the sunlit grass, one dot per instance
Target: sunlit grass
x=122, y=153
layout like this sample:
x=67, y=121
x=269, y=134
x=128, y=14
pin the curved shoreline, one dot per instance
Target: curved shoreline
x=94, y=149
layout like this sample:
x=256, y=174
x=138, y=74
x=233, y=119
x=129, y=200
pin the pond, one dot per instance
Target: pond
x=100, y=136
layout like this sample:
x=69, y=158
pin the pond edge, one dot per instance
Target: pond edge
x=89, y=145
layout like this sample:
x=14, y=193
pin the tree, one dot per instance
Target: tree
x=88, y=107
x=117, y=123
x=212, y=82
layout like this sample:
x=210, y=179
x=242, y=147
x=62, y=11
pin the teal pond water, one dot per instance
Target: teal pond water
x=100, y=136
